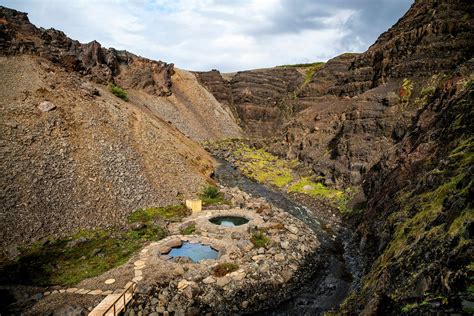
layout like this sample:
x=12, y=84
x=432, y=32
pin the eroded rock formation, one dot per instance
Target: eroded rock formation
x=101, y=65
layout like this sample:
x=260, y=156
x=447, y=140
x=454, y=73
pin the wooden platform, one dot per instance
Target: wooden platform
x=108, y=301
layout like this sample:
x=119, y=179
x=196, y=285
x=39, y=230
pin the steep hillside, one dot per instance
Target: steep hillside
x=418, y=226
x=192, y=109
x=76, y=156
x=90, y=161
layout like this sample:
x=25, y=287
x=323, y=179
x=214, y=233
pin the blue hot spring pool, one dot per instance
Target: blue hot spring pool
x=229, y=221
x=196, y=252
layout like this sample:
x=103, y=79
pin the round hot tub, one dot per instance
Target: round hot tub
x=195, y=252
x=229, y=221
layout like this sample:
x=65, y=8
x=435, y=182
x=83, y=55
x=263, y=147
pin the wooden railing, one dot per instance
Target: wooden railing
x=123, y=296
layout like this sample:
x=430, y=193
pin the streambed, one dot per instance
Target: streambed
x=327, y=288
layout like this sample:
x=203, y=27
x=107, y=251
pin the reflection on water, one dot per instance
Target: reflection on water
x=196, y=252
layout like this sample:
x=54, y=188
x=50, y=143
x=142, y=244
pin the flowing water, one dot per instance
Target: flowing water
x=326, y=288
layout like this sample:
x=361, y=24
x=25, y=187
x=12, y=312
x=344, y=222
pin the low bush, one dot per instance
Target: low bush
x=119, y=92
x=211, y=195
x=259, y=239
x=210, y=192
x=224, y=268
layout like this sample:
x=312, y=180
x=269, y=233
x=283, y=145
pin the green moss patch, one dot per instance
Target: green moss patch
x=262, y=166
x=172, y=213
x=306, y=186
x=189, y=230
x=68, y=261
x=427, y=216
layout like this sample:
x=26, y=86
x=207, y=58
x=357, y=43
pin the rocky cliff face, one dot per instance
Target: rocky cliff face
x=418, y=226
x=101, y=65
x=261, y=98
x=356, y=107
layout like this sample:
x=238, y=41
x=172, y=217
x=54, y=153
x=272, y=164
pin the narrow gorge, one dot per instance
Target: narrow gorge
x=328, y=188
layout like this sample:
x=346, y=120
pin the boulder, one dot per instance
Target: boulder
x=46, y=106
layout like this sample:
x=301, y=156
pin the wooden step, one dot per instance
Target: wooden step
x=108, y=301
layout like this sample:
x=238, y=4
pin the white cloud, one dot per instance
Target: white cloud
x=227, y=35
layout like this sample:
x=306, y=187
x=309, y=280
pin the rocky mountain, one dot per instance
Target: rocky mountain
x=395, y=121
x=76, y=156
x=353, y=108
x=398, y=120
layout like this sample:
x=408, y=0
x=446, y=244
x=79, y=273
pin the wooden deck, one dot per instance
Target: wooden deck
x=106, y=306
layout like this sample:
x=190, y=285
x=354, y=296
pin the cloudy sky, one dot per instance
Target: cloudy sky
x=228, y=35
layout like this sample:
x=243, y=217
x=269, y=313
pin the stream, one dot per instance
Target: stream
x=326, y=288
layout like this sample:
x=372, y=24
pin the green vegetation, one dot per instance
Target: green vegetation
x=88, y=253
x=417, y=219
x=224, y=268
x=309, y=70
x=317, y=64
x=409, y=307
x=211, y=195
x=118, y=91
x=306, y=186
x=259, y=239
x=68, y=261
x=469, y=82
x=337, y=198
x=262, y=166
x=188, y=230
x=174, y=213
x=309, y=74
x=406, y=90
x=210, y=192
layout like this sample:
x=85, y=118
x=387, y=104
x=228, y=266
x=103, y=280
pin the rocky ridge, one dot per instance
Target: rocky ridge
x=96, y=63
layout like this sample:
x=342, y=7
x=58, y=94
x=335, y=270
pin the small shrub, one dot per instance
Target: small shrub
x=409, y=307
x=210, y=192
x=189, y=230
x=469, y=84
x=211, y=195
x=119, y=92
x=259, y=239
x=224, y=268
x=406, y=90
